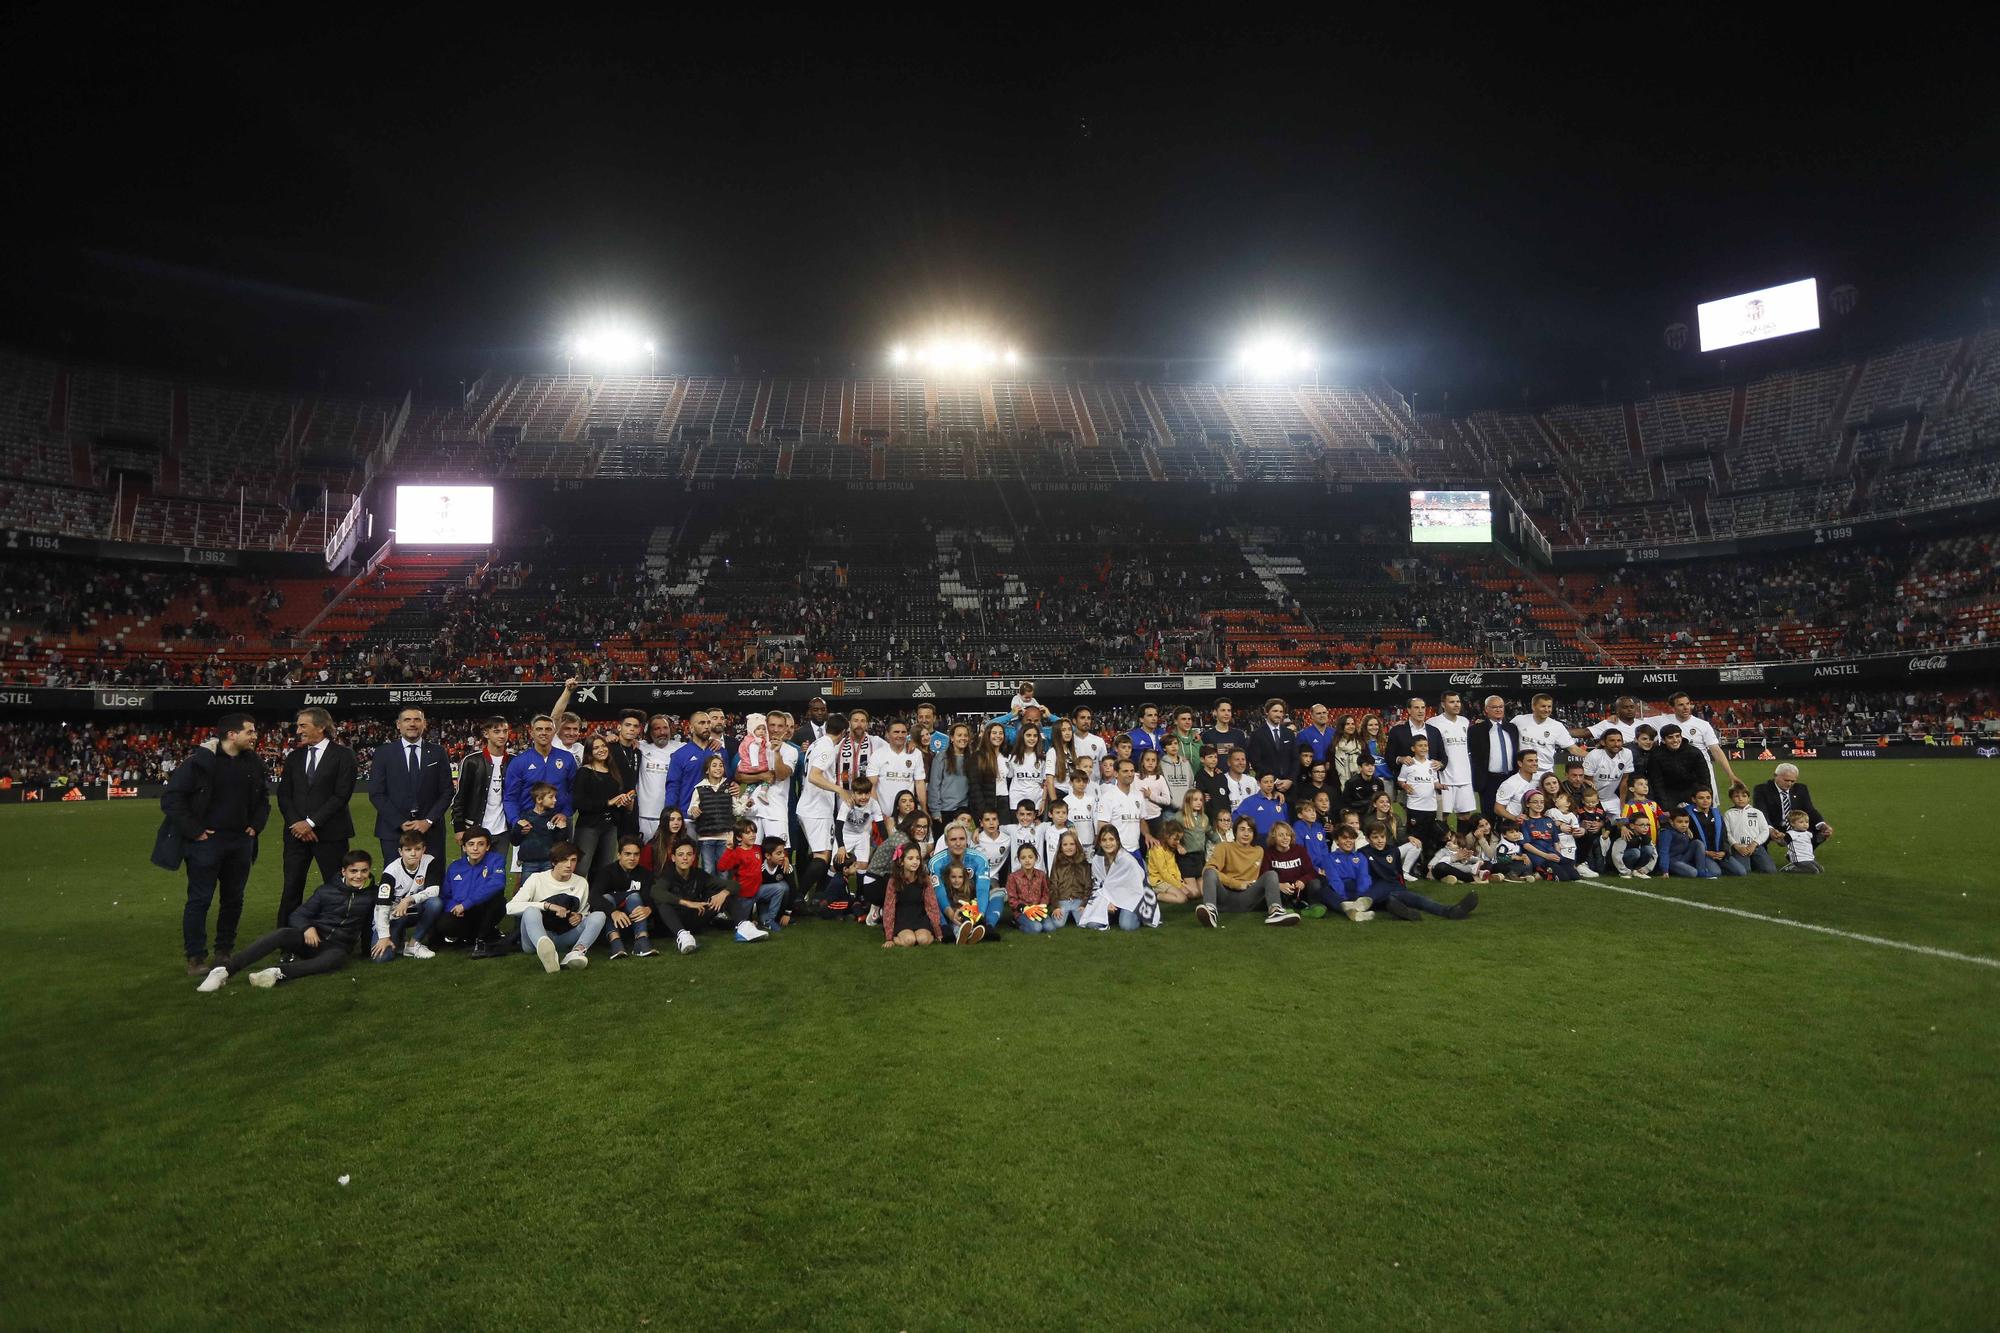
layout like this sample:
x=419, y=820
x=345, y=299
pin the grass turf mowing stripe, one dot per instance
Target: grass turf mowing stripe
x=1801, y=925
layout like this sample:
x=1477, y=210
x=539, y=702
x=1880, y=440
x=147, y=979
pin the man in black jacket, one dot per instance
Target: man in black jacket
x=1401, y=746
x=481, y=778
x=1273, y=746
x=410, y=785
x=313, y=790
x=1494, y=745
x=321, y=934
x=215, y=805
x=1783, y=794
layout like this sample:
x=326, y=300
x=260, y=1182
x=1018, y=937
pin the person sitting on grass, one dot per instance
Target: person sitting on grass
x=539, y=828
x=558, y=925
x=1028, y=893
x=1458, y=860
x=1747, y=831
x=1636, y=853
x=957, y=888
x=957, y=851
x=1501, y=856
x=320, y=934
x=1118, y=882
x=1290, y=862
x=621, y=893
x=1539, y=840
x=1569, y=832
x=767, y=906
x=1163, y=864
x=1236, y=881
x=688, y=898
x=1394, y=896
x=475, y=894
x=1705, y=826
x=407, y=904
x=1069, y=881
x=1802, y=843
x=1348, y=886
x=1679, y=853
x=1594, y=837
x=909, y=904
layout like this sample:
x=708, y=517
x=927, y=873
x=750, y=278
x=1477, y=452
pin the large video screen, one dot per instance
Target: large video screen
x=1451, y=516
x=1755, y=316
x=444, y=515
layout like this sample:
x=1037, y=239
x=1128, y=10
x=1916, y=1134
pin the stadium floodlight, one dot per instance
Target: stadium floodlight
x=954, y=353
x=1271, y=357
x=610, y=346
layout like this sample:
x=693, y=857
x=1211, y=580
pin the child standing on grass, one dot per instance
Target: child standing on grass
x=1028, y=894
x=992, y=844
x=545, y=824
x=1069, y=881
x=714, y=812
x=1799, y=842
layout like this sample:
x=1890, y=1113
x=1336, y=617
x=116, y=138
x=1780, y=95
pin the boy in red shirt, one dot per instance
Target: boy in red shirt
x=745, y=860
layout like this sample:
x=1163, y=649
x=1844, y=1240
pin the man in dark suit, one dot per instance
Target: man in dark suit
x=215, y=805
x=313, y=791
x=1783, y=794
x=410, y=785
x=1402, y=736
x=1273, y=746
x=1494, y=745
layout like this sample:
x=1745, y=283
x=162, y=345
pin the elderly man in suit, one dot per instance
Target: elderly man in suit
x=1783, y=794
x=1494, y=747
x=313, y=791
x=410, y=785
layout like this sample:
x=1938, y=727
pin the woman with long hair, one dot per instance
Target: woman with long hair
x=951, y=775
x=597, y=782
x=1062, y=751
x=1028, y=770
x=1346, y=752
x=989, y=773
x=673, y=831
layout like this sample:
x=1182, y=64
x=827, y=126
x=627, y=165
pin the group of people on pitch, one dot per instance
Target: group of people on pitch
x=1350, y=829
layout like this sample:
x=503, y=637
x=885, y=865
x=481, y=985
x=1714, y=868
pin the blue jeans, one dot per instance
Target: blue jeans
x=634, y=933
x=1702, y=869
x=1759, y=861
x=711, y=853
x=1068, y=912
x=400, y=927
x=577, y=939
x=1129, y=919
x=219, y=861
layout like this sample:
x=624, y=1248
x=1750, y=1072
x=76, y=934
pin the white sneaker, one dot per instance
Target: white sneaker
x=266, y=979
x=874, y=916
x=1206, y=915
x=1363, y=903
x=1363, y=916
x=1585, y=872
x=416, y=950
x=686, y=942
x=574, y=959
x=545, y=949
x=747, y=931
x=217, y=978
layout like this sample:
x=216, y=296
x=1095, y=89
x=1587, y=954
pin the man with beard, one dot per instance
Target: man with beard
x=655, y=753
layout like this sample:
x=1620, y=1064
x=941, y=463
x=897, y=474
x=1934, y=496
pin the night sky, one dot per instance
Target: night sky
x=1478, y=212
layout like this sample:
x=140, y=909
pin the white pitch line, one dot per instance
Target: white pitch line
x=1804, y=925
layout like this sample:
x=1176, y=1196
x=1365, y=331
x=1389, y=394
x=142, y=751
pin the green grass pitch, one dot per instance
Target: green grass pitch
x=1578, y=1109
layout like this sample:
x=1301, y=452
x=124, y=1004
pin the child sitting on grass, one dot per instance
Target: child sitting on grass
x=407, y=904
x=1394, y=896
x=1539, y=840
x=1348, y=885
x=1163, y=865
x=1069, y=881
x=909, y=907
x=319, y=935
x=1458, y=860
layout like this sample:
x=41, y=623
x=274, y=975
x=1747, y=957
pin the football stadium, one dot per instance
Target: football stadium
x=579, y=750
